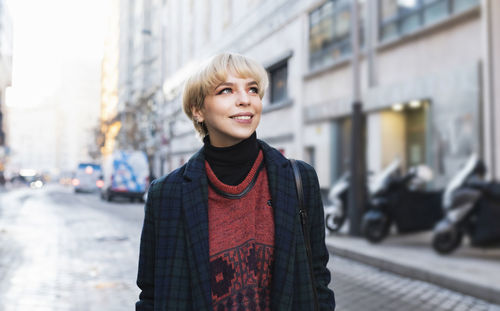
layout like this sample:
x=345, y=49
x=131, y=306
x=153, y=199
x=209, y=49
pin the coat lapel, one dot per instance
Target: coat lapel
x=284, y=198
x=195, y=205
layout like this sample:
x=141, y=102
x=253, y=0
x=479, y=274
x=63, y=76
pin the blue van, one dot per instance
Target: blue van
x=125, y=174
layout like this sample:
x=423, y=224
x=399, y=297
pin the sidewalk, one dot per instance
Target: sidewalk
x=471, y=271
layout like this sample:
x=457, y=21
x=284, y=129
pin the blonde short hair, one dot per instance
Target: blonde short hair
x=215, y=72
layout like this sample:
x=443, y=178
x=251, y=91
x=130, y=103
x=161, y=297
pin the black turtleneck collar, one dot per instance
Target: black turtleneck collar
x=232, y=164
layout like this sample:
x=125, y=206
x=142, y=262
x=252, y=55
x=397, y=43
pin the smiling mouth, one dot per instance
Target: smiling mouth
x=241, y=118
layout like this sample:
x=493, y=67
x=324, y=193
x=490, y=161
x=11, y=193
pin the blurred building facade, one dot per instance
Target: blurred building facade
x=5, y=76
x=32, y=147
x=429, y=76
x=110, y=122
x=420, y=84
x=52, y=134
x=140, y=77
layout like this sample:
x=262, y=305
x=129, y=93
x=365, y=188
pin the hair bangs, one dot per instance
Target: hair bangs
x=240, y=66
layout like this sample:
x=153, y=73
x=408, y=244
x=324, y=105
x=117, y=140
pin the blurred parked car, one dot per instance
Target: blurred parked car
x=88, y=178
x=29, y=178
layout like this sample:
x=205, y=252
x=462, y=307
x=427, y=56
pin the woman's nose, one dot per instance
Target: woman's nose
x=243, y=98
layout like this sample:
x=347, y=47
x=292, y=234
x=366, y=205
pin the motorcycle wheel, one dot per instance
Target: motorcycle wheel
x=333, y=223
x=446, y=242
x=375, y=230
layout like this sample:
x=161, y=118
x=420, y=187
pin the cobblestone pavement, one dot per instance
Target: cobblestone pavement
x=359, y=287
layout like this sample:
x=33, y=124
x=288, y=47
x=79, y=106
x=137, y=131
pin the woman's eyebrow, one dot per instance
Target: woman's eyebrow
x=224, y=84
x=231, y=84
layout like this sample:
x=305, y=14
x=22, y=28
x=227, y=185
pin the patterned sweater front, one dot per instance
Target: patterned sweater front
x=241, y=240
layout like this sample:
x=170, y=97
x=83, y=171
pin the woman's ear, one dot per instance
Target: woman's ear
x=197, y=115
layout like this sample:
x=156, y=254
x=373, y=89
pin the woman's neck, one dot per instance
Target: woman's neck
x=232, y=164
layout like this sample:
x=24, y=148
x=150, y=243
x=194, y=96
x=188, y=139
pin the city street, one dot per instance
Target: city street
x=394, y=105
x=63, y=251
x=66, y=251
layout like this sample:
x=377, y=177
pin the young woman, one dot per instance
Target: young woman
x=223, y=232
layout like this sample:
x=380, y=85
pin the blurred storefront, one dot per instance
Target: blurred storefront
x=433, y=120
x=399, y=132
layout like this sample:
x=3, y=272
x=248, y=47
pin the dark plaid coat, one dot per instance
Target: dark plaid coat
x=174, y=257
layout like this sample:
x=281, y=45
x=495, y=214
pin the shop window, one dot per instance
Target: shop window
x=416, y=129
x=400, y=17
x=278, y=75
x=344, y=138
x=330, y=32
x=310, y=154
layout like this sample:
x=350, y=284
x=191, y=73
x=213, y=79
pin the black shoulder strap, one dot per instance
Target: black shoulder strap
x=305, y=228
x=298, y=183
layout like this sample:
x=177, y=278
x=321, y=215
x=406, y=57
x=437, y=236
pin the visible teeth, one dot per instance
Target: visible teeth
x=242, y=118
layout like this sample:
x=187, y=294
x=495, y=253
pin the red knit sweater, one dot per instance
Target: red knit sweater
x=241, y=241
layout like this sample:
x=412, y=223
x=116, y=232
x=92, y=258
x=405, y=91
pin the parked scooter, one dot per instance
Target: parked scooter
x=472, y=207
x=399, y=200
x=336, y=210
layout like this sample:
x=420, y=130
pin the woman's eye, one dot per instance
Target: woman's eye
x=224, y=91
x=254, y=90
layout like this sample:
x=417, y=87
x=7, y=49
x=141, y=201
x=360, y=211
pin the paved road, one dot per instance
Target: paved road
x=61, y=251
x=65, y=252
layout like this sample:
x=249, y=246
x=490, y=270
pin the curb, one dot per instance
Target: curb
x=467, y=288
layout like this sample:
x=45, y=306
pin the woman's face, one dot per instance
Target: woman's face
x=232, y=111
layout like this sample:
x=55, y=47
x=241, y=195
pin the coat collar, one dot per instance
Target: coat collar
x=283, y=194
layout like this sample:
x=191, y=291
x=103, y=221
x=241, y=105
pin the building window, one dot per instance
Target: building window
x=330, y=32
x=400, y=17
x=343, y=148
x=278, y=75
x=310, y=154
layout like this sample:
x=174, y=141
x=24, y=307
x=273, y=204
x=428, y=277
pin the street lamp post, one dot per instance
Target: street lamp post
x=357, y=164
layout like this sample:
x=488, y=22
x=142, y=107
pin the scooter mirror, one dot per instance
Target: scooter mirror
x=424, y=172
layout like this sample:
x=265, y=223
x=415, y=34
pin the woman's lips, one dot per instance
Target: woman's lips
x=244, y=119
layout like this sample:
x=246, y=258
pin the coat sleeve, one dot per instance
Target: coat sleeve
x=319, y=251
x=146, y=271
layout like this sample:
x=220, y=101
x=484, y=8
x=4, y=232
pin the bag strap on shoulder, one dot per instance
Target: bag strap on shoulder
x=305, y=227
